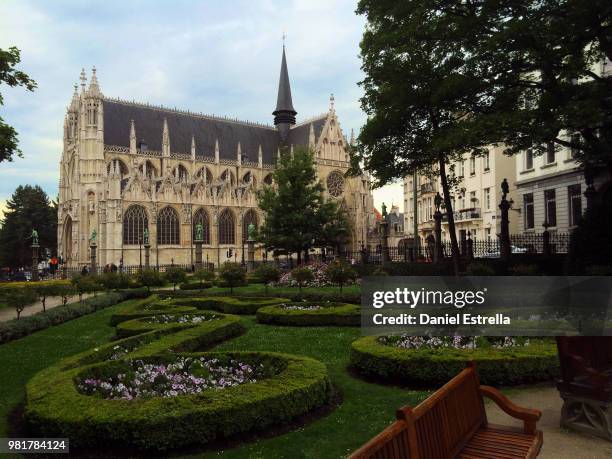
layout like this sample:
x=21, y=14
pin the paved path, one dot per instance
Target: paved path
x=10, y=314
x=558, y=443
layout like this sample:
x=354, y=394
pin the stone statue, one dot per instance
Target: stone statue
x=34, y=237
x=505, y=188
x=145, y=236
x=199, y=232
x=94, y=236
x=251, y=231
x=438, y=201
x=384, y=210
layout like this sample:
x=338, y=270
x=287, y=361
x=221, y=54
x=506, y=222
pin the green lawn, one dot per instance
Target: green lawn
x=366, y=408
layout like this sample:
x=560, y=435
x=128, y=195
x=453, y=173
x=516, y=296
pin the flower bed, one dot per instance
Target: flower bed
x=310, y=314
x=179, y=319
x=432, y=362
x=152, y=391
x=165, y=321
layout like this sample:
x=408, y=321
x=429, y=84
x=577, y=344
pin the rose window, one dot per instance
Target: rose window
x=335, y=184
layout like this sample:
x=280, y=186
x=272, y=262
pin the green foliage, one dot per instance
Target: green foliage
x=15, y=329
x=193, y=286
x=480, y=269
x=150, y=278
x=204, y=275
x=340, y=272
x=85, y=284
x=28, y=208
x=302, y=276
x=296, y=212
x=330, y=314
x=175, y=276
x=114, y=280
x=599, y=270
x=295, y=386
x=20, y=298
x=232, y=274
x=524, y=270
x=12, y=77
x=434, y=367
x=590, y=242
x=267, y=273
x=229, y=305
x=45, y=290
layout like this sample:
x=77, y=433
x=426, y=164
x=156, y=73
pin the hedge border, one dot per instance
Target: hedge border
x=500, y=367
x=332, y=314
x=230, y=304
x=19, y=328
x=54, y=407
x=137, y=326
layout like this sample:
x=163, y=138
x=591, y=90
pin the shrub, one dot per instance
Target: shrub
x=229, y=305
x=434, y=367
x=115, y=281
x=85, y=284
x=340, y=272
x=599, y=270
x=15, y=329
x=20, y=298
x=150, y=278
x=47, y=290
x=268, y=274
x=310, y=314
x=204, y=275
x=524, y=270
x=193, y=286
x=232, y=274
x=293, y=386
x=480, y=269
x=175, y=276
x=302, y=276
x=590, y=242
x=380, y=271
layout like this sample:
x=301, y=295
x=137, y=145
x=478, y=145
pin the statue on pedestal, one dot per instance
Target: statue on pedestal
x=145, y=236
x=251, y=232
x=34, y=237
x=199, y=232
x=94, y=236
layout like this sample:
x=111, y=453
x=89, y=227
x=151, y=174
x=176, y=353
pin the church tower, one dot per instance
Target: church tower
x=284, y=115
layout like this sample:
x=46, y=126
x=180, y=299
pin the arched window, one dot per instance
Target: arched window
x=180, y=172
x=227, y=227
x=168, y=226
x=249, y=217
x=148, y=169
x=67, y=236
x=268, y=179
x=249, y=178
x=228, y=176
x=135, y=221
x=117, y=164
x=205, y=174
x=201, y=217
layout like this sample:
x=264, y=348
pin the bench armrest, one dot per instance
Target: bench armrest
x=529, y=416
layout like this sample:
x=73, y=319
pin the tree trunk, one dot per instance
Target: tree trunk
x=299, y=257
x=449, y=215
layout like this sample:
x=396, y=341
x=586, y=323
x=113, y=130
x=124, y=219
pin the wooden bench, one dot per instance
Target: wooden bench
x=586, y=383
x=452, y=423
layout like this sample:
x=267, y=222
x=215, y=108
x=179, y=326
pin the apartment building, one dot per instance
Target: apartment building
x=475, y=200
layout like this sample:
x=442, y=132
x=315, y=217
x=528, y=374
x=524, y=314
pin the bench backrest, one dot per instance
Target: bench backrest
x=437, y=428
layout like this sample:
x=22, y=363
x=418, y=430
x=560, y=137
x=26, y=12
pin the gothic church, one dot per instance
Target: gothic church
x=127, y=167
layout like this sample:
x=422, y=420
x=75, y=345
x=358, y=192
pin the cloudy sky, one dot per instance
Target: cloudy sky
x=216, y=57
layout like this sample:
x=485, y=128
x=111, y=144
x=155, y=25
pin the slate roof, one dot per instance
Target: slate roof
x=284, y=101
x=300, y=134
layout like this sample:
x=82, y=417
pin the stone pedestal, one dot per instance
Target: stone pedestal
x=587, y=415
x=546, y=248
x=198, y=254
x=93, y=266
x=147, y=248
x=384, y=242
x=35, y=248
x=438, y=253
x=504, y=235
x=250, y=255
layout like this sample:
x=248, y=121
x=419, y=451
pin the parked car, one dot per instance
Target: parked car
x=494, y=252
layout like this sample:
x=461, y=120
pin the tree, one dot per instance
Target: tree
x=339, y=272
x=150, y=278
x=204, y=275
x=20, y=298
x=268, y=273
x=295, y=210
x=85, y=284
x=27, y=209
x=416, y=95
x=46, y=290
x=114, y=280
x=302, y=276
x=233, y=274
x=175, y=276
x=12, y=77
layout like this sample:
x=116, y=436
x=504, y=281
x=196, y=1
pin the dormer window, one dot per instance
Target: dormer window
x=142, y=145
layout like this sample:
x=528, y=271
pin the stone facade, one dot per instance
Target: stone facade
x=127, y=166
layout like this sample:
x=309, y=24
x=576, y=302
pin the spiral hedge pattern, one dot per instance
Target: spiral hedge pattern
x=310, y=314
x=56, y=408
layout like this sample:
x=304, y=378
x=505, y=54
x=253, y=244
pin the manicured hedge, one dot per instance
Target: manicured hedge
x=230, y=304
x=15, y=329
x=427, y=367
x=141, y=325
x=195, y=285
x=334, y=314
x=337, y=296
x=150, y=306
x=55, y=408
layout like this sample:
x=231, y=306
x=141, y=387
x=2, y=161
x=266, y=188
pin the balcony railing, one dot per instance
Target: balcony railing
x=464, y=214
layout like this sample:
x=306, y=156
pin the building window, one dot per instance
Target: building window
x=487, y=198
x=168, y=226
x=486, y=161
x=180, y=173
x=473, y=199
x=550, y=153
x=574, y=199
x=249, y=217
x=462, y=201
x=528, y=210
x=227, y=232
x=488, y=234
x=529, y=160
x=429, y=209
x=461, y=169
x=135, y=221
x=550, y=207
x=201, y=217
x=473, y=165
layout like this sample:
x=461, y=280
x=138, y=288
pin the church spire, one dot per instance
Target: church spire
x=284, y=115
